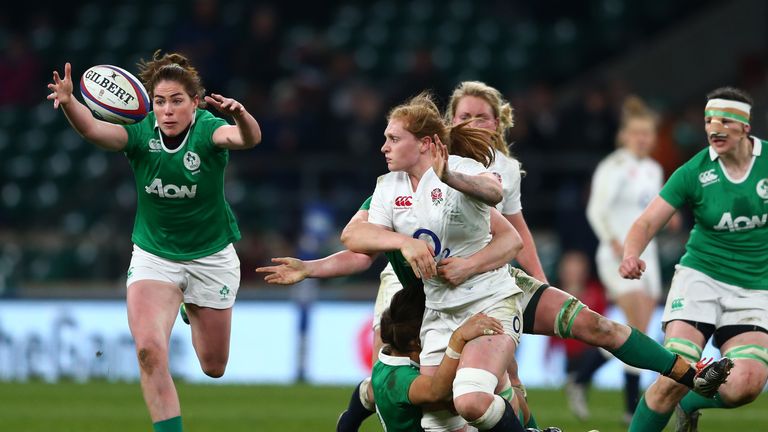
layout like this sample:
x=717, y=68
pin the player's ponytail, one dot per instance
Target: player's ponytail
x=471, y=142
x=171, y=67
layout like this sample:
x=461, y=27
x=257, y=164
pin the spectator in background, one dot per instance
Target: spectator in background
x=20, y=73
x=206, y=42
x=257, y=55
x=590, y=124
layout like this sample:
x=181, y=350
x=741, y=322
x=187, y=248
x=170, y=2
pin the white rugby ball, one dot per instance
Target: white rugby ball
x=114, y=95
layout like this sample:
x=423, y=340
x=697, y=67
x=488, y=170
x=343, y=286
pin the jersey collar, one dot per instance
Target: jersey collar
x=396, y=361
x=183, y=142
x=757, y=149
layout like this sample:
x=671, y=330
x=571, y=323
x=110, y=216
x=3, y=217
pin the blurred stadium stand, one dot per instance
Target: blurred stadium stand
x=320, y=80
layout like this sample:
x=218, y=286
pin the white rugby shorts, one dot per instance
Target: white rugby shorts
x=694, y=296
x=437, y=326
x=211, y=281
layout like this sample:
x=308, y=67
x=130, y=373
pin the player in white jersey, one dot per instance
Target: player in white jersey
x=622, y=186
x=183, y=245
x=548, y=310
x=451, y=199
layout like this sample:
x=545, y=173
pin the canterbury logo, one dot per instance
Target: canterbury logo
x=708, y=177
x=403, y=201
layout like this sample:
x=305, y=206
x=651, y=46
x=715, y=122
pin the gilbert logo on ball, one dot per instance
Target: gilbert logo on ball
x=114, y=95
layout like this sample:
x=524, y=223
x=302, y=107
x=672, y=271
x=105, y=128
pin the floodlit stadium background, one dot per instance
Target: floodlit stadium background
x=320, y=80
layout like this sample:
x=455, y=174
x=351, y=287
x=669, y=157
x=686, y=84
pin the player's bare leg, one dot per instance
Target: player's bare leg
x=210, y=337
x=745, y=383
x=152, y=309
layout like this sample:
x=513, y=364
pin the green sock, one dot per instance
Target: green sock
x=172, y=424
x=643, y=352
x=647, y=420
x=693, y=401
x=531, y=422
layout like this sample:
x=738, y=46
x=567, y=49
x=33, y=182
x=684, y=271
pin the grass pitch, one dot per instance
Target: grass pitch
x=118, y=407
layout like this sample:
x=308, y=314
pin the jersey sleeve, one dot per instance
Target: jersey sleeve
x=675, y=190
x=406, y=376
x=208, y=123
x=381, y=210
x=605, y=186
x=366, y=204
x=134, y=132
x=511, y=204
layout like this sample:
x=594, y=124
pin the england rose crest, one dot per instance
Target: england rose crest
x=437, y=196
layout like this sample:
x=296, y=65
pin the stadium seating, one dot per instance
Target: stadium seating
x=52, y=180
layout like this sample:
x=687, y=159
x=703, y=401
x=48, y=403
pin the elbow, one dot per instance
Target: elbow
x=494, y=196
x=516, y=245
x=346, y=238
x=256, y=140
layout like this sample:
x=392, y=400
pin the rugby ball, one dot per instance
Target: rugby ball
x=114, y=95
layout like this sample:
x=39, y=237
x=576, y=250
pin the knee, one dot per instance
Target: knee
x=598, y=330
x=151, y=356
x=214, y=369
x=472, y=406
x=743, y=387
x=213, y=365
x=473, y=392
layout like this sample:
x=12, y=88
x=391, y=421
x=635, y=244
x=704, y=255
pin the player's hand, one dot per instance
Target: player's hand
x=439, y=157
x=225, y=105
x=288, y=271
x=479, y=325
x=632, y=268
x=61, y=89
x=421, y=256
x=455, y=270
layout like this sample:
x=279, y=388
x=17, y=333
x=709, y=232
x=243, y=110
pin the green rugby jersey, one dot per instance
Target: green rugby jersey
x=181, y=211
x=729, y=241
x=391, y=379
x=400, y=265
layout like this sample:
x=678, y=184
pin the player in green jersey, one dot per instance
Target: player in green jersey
x=184, y=228
x=401, y=391
x=720, y=287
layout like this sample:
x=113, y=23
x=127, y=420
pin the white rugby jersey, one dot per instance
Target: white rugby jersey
x=456, y=224
x=622, y=187
x=507, y=169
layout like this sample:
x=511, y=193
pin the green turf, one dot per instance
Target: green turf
x=110, y=407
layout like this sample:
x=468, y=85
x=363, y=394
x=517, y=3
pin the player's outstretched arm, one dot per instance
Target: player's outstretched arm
x=425, y=389
x=503, y=247
x=245, y=134
x=647, y=225
x=100, y=133
x=289, y=271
